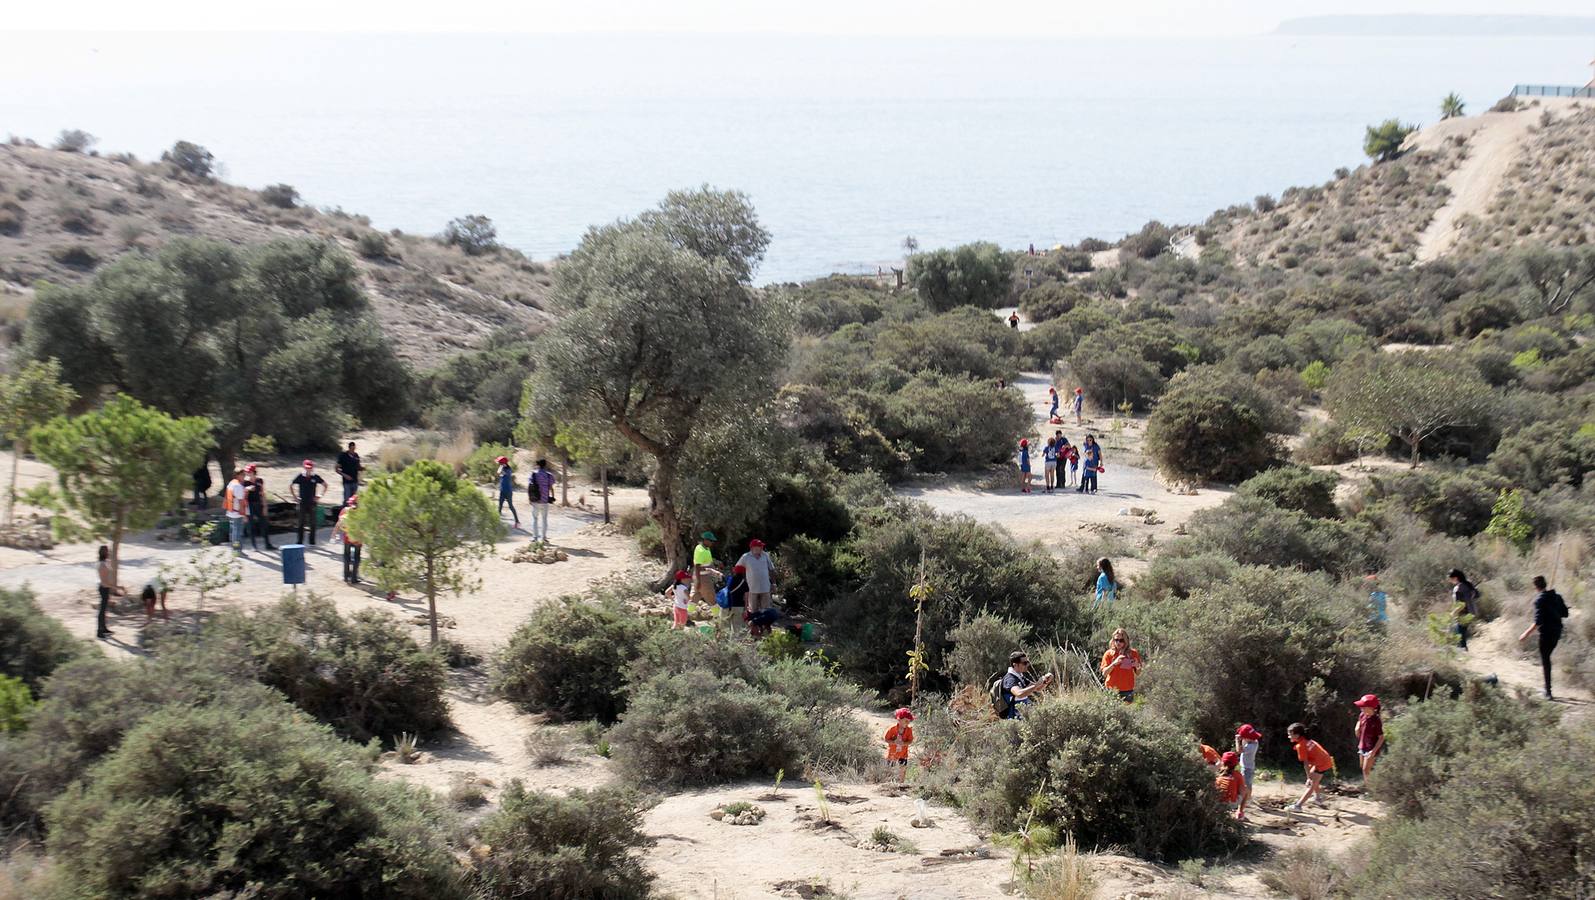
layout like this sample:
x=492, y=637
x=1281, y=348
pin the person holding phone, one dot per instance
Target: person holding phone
x=1019, y=687
x=1120, y=664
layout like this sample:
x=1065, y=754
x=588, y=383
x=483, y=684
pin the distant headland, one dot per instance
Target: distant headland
x=1438, y=26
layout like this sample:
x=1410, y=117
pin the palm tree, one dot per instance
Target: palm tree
x=1451, y=106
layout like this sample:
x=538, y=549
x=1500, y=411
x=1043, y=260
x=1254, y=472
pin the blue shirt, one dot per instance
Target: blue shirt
x=1106, y=590
x=1093, y=455
x=1377, y=601
x=1050, y=454
x=1024, y=457
x=506, y=480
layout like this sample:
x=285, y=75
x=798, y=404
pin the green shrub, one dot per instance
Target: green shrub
x=1510, y=522
x=1112, y=373
x=814, y=572
x=363, y=675
x=1456, y=502
x=781, y=644
x=832, y=739
x=1177, y=577
x=1508, y=822
x=666, y=651
x=1324, y=444
x=373, y=245
x=1383, y=141
x=1545, y=454
x=1296, y=488
x=1269, y=647
x=1253, y=531
x=565, y=659
x=197, y=802
x=978, y=274
x=15, y=702
x=1049, y=300
x=482, y=465
x=282, y=196
x=698, y=728
x=1068, y=764
x=985, y=430
x=981, y=645
x=581, y=845
x=1430, y=740
x=650, y=540
x=32, y=645
x=1213, y=425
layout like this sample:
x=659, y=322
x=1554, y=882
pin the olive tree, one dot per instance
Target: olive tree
x=29, y=397
x=118, y=467
x=978, y=274
x=1412, y=395
x=424, y=527
x=663, y=337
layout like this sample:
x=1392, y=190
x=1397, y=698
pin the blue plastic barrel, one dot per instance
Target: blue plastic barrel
x=293, y=563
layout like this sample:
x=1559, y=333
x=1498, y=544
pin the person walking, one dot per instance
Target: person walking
x=1049, y=464
x=506, y=489
x=1024, y=465
x=1370, y=733
x=348, y=468
x=1120, y=664
x=1107, y=585
x=108, y=589
x=760, y=569
x=1052, y=415
x=899, y=738
x=1079, y=407
x=1315, y=760
x=351, y=547
x=202, y=485
x=1549, y=611
x=1246, y=741
x=1013, y=320
x=235, y=503
x=540, y=491
x=703, y=571
x=1378, y=601
x=307, y=489
x=1090, y=465
x=255, y=504
x=1018, y=688
x=1464, y=606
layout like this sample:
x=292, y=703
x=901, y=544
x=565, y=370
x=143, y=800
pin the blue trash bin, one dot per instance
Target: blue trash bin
x=293, y=563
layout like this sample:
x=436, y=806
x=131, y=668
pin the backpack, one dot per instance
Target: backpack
x=722, y=598
x=1557, y=606
x=1000, y=703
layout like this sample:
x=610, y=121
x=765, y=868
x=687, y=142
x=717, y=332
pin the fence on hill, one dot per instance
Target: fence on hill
x=1552, y=90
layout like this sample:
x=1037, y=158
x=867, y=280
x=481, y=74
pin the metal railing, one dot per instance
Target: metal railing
x=1551, y=90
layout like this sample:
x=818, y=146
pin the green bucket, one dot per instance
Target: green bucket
x=706, y=629
x=810, y=634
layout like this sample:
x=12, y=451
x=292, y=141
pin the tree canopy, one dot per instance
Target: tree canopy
x=1411, y=395
x=29, y=397
x=978, y=274
x=1383, y=142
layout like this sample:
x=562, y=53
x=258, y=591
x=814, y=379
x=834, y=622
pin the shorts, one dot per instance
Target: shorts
x=1052, y=467
x=1025, y=469
x=901, y=762
x=758, y=601
x=1366, y=753
x=1248, y=774
x=1322, y=771
x=703, y=590
x=679, y=614
x=1127, y=696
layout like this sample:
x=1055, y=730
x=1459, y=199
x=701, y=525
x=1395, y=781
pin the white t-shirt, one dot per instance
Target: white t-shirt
x=1248, y=755
x=760, y=571
x=237, y=491
x=681, y=593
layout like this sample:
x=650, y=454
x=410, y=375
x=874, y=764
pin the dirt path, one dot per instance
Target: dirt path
x=1494, y=650
x=1065, y=516
x=1494, y=144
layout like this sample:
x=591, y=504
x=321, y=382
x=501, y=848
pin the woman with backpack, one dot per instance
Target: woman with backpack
x=1549, y=611
x=1464, y=606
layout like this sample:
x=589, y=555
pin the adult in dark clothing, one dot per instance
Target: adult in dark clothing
x=1465, y=603
x=202, y=484
x=1090, y=461
x=1549, y=611
x=307, y=489
x=255, y=497
x=1018, y=686
x=348, y=468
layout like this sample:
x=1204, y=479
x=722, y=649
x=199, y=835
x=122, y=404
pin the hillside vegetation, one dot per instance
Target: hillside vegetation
x=64, y=214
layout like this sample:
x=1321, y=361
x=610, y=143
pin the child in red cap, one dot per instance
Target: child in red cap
x=1230, y=783
x=1024, y=465
x=1246, y=739
x=1315, y=760
x=1370, y=732
x=898, y=738
x=678, y=597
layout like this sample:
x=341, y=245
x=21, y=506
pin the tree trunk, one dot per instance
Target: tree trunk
x=662, y=503
x=18, y=447
x=431, y=603
x=116, y=551
x=603, y=486
x=1415, y=443
x=226, y=460
x=564, y=479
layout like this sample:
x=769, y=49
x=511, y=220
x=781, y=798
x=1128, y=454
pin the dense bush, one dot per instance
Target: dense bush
x=1545, y=454
x=474, y=234
x=580, y=846
x=362, y=674
x=32, y=645
x=979, y=274
x=1295, y=487
x=1049, y=300
x=196, y=802
x=1177, y=577
x=695, y=727
x=1213, y=426
x=980, y=647
x=831, y=737
x=1269, y=647
x=947, y=422
x=191, y=159
x=282, y=196
x=565, y=659
x=15, y=703
x=482, y=465
x=1106, y=773
x=1254, y=531
x=1452, y=501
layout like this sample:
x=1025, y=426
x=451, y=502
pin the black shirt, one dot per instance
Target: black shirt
x=349, y=465
x=1549, y=611
x=255, y=495
x=1010, y=681
x=305, y=488
x=737, y=591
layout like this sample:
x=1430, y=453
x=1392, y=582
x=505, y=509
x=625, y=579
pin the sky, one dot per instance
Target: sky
x=962, y=18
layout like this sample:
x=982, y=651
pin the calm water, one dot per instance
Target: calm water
x=845, y=144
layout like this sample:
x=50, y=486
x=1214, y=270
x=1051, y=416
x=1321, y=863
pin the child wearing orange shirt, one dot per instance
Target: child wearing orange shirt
x=1229, y=782
x=898, y=739
x=1119, y=665
x=1315, y=759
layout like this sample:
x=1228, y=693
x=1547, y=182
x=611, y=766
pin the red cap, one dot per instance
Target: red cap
x=249, y=468
x=1248, y=733
x=904, y=713
x=1079, y=390
x=1230, y=758
x=1368, y=701
x=502, y=460
x=1024, y=442
x=1052, y=390
x=308, y=464
x=681, y=575
x=755, y=543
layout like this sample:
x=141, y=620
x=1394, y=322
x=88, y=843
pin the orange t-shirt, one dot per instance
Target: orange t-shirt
x=1209, y=754
x=898, y=737
x=1118, y=677
x=1313, y=754
x=1229, y=786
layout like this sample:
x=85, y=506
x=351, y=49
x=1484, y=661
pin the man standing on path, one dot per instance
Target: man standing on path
x=540, y=491
x=1549, y=611
x=256, y=494
x=108, y=588
x=760, y=571
x=703, y=571
x=348, y=468
x=235, y=502
x=1464, y=606
x=307, y=489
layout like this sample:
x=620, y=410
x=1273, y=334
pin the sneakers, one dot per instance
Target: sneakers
x=1319, y=802
x=1294, y=807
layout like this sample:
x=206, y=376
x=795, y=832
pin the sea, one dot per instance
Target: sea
x=846, y=145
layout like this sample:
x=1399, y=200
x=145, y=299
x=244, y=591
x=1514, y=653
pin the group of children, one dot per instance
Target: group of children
x=1063, y=464
x=1237, y=768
